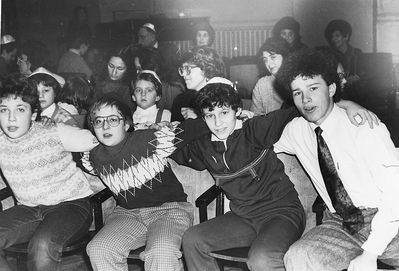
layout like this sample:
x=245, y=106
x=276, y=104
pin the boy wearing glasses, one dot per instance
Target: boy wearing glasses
x=151, y=205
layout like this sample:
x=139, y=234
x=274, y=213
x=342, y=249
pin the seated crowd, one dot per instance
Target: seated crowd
x=63, y=128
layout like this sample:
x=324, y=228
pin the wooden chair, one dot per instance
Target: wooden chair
x=238, y=257
x=243, y=71
x=19, y=251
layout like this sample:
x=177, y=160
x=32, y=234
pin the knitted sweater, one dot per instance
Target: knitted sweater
x=39, y=167
x=136, y=170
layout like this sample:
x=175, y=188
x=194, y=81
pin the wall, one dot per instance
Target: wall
x=312, y=14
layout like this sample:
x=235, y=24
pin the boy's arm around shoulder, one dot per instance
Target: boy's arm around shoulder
x=267, y=129
x=75, y=139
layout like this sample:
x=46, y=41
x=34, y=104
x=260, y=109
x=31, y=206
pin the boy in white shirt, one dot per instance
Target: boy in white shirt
x=354, y=169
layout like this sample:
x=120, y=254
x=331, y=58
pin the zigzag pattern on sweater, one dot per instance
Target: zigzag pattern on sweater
x=143, y=171
x=134, y=174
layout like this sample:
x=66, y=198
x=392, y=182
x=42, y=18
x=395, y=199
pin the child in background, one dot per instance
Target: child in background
x=147, y=91
x=152, y=209
x=77, y=92
x=49, y=86
x=53, y=194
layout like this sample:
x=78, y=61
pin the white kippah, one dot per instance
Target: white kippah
x=153, y=73
x=150, y=26
x=58, y=78
x=7, y=39
x=220, y=80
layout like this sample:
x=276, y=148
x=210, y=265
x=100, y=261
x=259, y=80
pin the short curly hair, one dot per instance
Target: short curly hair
x=308, y=63
x=207, y=59
x=217, y=94
x=15, y=87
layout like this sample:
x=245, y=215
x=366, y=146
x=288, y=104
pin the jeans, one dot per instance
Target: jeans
x=47, y=229
x=268, y=241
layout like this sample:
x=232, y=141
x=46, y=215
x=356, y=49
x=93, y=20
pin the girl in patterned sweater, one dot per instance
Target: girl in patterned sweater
x=52, y=193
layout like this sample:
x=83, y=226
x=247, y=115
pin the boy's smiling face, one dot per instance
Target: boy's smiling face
x=313, y=97
x=112, y=129
x=221, y=120
x=15, y=116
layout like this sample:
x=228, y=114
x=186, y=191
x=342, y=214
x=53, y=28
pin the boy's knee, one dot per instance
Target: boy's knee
x=192, y=238
x=43, y=253
x=265, y=260
x=95, y=249
x=298, y=252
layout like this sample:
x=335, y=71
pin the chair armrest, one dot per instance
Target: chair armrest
x=202, y=202
x=318, y=207
x=6, y=192
x=96, y=203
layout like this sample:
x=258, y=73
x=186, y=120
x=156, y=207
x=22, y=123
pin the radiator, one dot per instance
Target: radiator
x=243, y=41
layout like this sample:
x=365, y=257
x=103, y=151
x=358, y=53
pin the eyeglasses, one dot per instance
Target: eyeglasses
x=112, y=120
x=186, y=69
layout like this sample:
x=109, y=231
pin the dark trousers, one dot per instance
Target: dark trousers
x=268, y=239
x=47, y=229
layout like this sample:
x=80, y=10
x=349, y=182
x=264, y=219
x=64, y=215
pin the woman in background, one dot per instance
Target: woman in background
x=118, y=78
x=265, y=97
x=204, y=34
x=197, y=68
x=288, y=29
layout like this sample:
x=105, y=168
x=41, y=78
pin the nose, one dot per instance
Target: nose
x=114, y=71
x=11, y=116
x=144, y=93
x=306, y=98
x=106, y=125
x=41, y=94
x=218, y=121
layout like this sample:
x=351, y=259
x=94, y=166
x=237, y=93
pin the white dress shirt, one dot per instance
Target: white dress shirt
x=367, y=164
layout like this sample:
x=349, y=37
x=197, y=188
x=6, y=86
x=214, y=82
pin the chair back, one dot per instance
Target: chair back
x=244, y=72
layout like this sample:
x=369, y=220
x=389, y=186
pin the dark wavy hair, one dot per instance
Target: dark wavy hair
x=46, y=80
x=111, y=100
x=207, y=59
x=217, y=94
x=78, y=92
x=308, y=63
x=276, y=45
x=14, y=87
x=123, y=55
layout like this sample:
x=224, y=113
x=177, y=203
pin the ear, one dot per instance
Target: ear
x=133, y=98
x=157, y=98
x=127, y=126
x=331, y=89
x=238, y=113
x=33, y=117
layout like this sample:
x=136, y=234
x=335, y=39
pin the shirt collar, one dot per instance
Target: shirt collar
x=330, y=122
x=49, y=111
x=74, y=51
x=237, y=127
x=151, y=109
